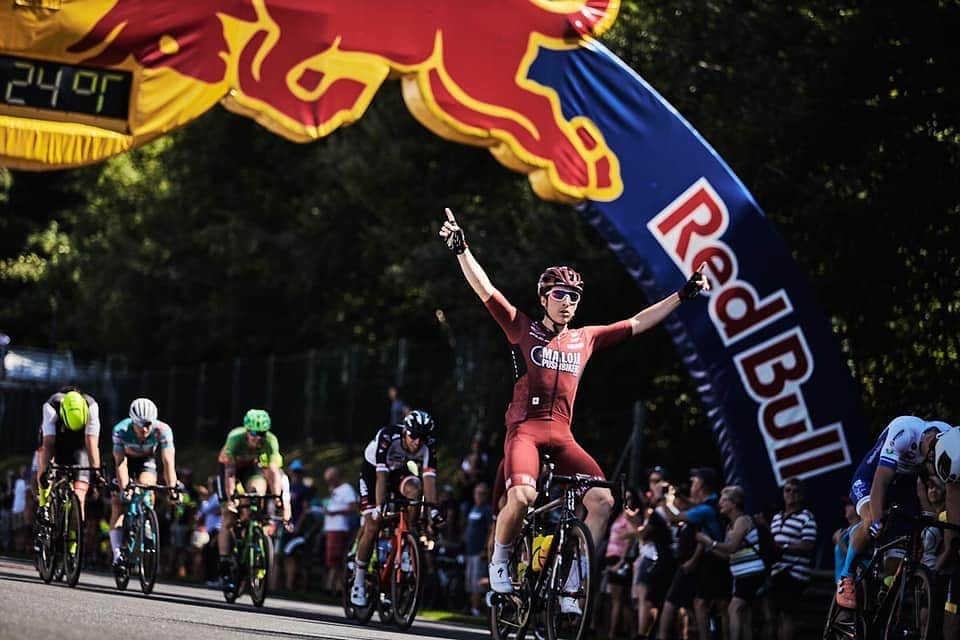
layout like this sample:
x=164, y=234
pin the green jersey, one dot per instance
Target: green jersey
x=236, y=450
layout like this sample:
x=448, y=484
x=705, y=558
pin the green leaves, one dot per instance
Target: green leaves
x=224, y=238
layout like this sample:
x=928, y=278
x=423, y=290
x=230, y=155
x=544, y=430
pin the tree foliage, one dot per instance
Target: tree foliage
x=223, y=238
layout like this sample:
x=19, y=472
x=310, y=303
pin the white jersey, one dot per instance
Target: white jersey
x=898, y=447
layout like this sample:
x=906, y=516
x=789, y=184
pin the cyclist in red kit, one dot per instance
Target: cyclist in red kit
x=549, y=358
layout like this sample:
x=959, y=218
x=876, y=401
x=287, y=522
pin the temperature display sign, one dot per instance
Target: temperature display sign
x=60, y=87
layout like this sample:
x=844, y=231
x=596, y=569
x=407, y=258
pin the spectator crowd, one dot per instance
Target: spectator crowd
x=680, y=560
x=682, y=557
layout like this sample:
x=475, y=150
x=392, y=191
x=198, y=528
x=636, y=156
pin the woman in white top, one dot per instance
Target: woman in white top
x=742, y=547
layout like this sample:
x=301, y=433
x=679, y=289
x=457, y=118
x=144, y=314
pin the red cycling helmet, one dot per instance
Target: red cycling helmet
x=559, y=277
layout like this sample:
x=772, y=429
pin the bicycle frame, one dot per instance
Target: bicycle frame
x=133, y=520
x=872, y=614
x=402, y=518
x=52, y=533
x=139, y=551
x=547, y=584
x=248, y=527
x=256, y=517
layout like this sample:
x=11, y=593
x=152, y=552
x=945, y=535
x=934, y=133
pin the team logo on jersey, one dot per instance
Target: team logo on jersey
x=565, y=361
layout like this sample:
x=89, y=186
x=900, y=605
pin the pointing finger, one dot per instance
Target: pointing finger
x=450, y=215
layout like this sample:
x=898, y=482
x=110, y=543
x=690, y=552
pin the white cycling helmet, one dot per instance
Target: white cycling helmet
x=946, y=456
x=143, y=411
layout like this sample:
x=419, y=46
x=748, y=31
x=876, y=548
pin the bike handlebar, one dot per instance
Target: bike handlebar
x=586, y=481
x=895, y=512
x=251, y=497
x=158, y=487
x=70, y=470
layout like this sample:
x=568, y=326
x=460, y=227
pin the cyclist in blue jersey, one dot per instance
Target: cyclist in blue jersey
x=908, y=447
x=136, y=442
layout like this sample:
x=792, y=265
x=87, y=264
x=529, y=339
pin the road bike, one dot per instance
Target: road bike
x=140, y=549
x=551, y=560
x=896, y=606
x=59, y=534
x=252, y=555
x=394, y=577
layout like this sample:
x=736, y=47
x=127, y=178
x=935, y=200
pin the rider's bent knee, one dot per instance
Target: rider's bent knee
x=598, y=500
x=521, y=496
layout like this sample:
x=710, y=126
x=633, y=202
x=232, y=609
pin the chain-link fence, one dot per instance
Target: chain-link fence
x=313, y=397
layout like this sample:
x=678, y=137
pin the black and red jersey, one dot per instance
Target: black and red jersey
x=547, y=365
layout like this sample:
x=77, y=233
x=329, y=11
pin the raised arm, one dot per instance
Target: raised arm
x=655, y=313
x=472, y=271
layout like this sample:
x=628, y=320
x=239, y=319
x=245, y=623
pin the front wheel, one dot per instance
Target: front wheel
x=72, y=540
x=911, y=611
x=259, y=563
x=149, y=549
x=46, y=544
x=406, y=581
x=121, y=572
x=568, y=597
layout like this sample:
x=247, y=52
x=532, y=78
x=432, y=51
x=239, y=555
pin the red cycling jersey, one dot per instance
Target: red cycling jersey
x=547, y=366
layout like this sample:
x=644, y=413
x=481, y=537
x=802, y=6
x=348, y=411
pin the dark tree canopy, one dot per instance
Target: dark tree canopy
x=223, y=238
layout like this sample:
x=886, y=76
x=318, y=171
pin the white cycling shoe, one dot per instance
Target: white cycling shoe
x=569, y=604
x=358, y=595
x=499, y=573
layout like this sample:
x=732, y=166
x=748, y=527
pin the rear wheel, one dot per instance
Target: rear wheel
x=568, y=597
x=149, y=548
x=406, y=581
x=910, y=615
x=260, y=562
x=72, y=540
x=46, y=543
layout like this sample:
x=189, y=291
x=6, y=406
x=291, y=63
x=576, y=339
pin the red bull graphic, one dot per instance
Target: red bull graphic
x=303, y=68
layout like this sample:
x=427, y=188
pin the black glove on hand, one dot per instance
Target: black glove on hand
x=456, y=241
x=693, y=286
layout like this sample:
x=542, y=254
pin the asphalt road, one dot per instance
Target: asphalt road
x=95, y=610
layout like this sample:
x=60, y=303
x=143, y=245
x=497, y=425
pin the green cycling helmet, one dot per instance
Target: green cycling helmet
x=74, y=411
x=257, y=420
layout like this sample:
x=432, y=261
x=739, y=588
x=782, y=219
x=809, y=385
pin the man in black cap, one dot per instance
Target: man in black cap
x=712, y=578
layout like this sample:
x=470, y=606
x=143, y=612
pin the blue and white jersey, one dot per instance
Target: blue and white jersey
x=898, y=447
x=125, y=439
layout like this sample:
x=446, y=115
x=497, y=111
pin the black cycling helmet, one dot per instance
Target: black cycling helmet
x=559, y=277
x=419, y=424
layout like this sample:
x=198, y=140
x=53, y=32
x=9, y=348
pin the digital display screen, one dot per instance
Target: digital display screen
x=56, y=86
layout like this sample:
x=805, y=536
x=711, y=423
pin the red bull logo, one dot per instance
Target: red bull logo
x=305, y=67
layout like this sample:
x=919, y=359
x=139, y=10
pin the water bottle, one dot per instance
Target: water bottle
x=405, y=563
x=384, y=547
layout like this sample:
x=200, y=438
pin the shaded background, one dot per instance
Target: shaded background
x=188, y=266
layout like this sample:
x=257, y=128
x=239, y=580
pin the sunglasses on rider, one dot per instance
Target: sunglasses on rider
x=560, y=294
x=257, y=434
x=143, y=424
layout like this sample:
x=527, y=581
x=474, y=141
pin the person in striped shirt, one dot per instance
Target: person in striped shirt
x=742, y=548
x=795, y=531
